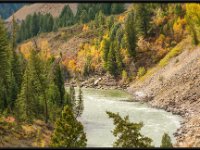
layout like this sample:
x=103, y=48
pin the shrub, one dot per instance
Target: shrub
x=174, y=52
x=141, y=72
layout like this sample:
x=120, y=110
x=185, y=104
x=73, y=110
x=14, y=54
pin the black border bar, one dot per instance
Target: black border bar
x=99, y=1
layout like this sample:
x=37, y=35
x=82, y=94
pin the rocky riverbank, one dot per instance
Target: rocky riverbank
x=175, y=88
x=99, y=82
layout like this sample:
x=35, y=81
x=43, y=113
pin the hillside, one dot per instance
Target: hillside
x=175, y=88
x=53, y=8
x=149, y=50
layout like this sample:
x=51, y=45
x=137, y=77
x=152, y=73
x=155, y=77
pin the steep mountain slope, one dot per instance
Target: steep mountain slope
x=175, y=88
x=53, y=8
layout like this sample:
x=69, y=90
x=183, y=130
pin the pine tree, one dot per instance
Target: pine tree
x=66, y=17
x=110, y=22
x=111, y=62
x=131, y=35
x=27, y=104
x=68, y=131
x=5, y=70
x=80, y=105
x=128, y=133
x=72, y=98
x=143, y=17
x=166, y=141
x=58, y=79
x=84, y=17
x=16, y=65
x=105, y=46
x=117, y=8
x=34, y=84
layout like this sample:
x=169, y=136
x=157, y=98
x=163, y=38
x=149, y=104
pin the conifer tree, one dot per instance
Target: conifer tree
x=80, y=105
x=16, y=65
x=84, y=17
x=111, y=62
x=143, y=17
x=66, y=17
x=68, y=131
x=105, y=46
x=131, y=35
x=117, y=8
x=166, y=141
x=128, y=133
x=59, y=82
x=5, y=70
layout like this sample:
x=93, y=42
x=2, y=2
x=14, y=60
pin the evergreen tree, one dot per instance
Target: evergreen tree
x=106, y=8
x=117, y=8
x=59, y=82
x=66, y=17
x=72, y=98
x=55, y=25
x=34, y=84
x=68, y=131
x=130, y=32
x=80, y=105
x=84, y=17
x=111, y=62
x=143, y=17
x=105, y=46
x=110, y=22
x=16, y=65
x=5, y=70
x=91, y=13
x=166, y=141
x=27, y=104
x=128, y=133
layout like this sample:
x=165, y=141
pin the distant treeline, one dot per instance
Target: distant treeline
x=38, y=23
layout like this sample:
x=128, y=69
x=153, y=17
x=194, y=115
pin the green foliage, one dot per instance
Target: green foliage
x=66, y=17
x=166, y=141
x=87, y=67
x=141, y=72
x=124, y=76
x=6, y=80
x=68, y=131
x=143, y=17
x=117, y=8
x=130, y=32
x=128, y=133
x=80, y=105
x=105, y=48
x=174, y=52
x=35, y=24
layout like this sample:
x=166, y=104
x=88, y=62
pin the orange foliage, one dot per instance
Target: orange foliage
x=121, y=18
x=25, y=49
x=178, y=28
x=85, y=28
x=45, y=49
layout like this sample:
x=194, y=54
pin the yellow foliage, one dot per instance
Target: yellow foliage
x=178, y=28
x=85, y=28
x=72, y=65
x=25, y=49
x=193, y=15
x=160, y=40
x=121, y=18
x=45, y=49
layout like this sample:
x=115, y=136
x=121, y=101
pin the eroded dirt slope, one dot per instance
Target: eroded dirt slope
x=176, y=88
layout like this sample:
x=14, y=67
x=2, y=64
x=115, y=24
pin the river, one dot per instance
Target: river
x=98, y=126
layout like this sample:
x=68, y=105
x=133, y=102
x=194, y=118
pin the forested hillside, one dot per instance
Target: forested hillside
x=106, y=41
